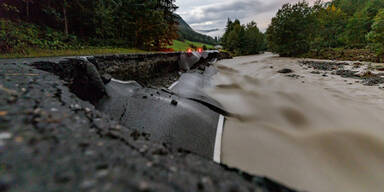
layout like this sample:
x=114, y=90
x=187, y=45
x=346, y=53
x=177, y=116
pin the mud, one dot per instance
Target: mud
x=325, y=134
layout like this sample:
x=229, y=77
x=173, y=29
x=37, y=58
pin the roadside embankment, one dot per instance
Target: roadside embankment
x=344, y=55
x=85, y=75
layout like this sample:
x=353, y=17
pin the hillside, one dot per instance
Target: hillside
x=185, y=32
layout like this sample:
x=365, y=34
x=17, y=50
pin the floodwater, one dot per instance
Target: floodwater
x=320, y=134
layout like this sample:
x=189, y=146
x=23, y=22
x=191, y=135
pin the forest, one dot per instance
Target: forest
x=73, y=24
x=321, y=30
x=338, y=27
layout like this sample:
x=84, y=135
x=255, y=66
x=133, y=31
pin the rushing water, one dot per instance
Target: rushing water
x=313, y=133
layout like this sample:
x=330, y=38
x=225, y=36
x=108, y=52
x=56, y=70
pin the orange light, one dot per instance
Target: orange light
x=189, y=50
x=200, y=50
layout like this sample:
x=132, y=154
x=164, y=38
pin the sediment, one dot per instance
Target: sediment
x=355, y=70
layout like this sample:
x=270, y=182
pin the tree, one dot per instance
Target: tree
x=142, y=24
x=360, y=15
x=243, y=39
x=254, y=39
x=356, y=29
x=331, y=23
x=376, y=35
x=291, y=30
x=234, y=37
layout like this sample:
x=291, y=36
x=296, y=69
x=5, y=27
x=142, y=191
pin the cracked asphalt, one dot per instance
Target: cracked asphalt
x=50, y=140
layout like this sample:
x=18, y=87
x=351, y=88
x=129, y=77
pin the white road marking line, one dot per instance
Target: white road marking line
x=173, y=85
x=219, y=135
x=122, y=82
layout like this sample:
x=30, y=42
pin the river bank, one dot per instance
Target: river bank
x=342, y=54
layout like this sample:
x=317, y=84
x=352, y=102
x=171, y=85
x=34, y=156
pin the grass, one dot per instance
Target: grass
x=79, y=52
x=31, y=53
x=183, y=46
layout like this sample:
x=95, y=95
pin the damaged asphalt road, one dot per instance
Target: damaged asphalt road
x=50, y=140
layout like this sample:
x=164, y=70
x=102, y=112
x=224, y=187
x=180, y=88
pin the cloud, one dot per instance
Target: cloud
x=212, y=14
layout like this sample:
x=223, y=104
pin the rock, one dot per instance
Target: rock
x=366, y=74
x=286, y=70
x=324, y=65
x=346, y=73
x=294, y=76
x=315, y=72
x=106, y=78
x=174, y=102
x=373, y=81
x=380, y=68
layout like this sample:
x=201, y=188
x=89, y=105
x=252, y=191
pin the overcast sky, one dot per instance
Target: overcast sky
x=212, y=14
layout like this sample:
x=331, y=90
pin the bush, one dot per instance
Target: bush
x=18, y=37
x=376, y=36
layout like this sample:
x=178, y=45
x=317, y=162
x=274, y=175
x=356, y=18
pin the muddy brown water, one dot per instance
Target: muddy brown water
x=313, y=133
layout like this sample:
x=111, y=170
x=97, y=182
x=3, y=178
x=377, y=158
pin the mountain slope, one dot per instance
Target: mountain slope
x=187, y=33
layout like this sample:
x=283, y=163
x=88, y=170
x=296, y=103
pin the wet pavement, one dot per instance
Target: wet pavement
x=51, y=140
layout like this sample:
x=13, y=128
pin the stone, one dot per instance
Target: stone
x=286, y=70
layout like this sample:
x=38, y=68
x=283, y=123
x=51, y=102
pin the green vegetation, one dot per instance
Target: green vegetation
x=376, y=36
x=33, y=28
x=20, y=37
x=243, y=39
x=70, y=52
x=299, y=29
x=177, y=46
x=28, y=25
x=289, y=32
x=183, y=46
